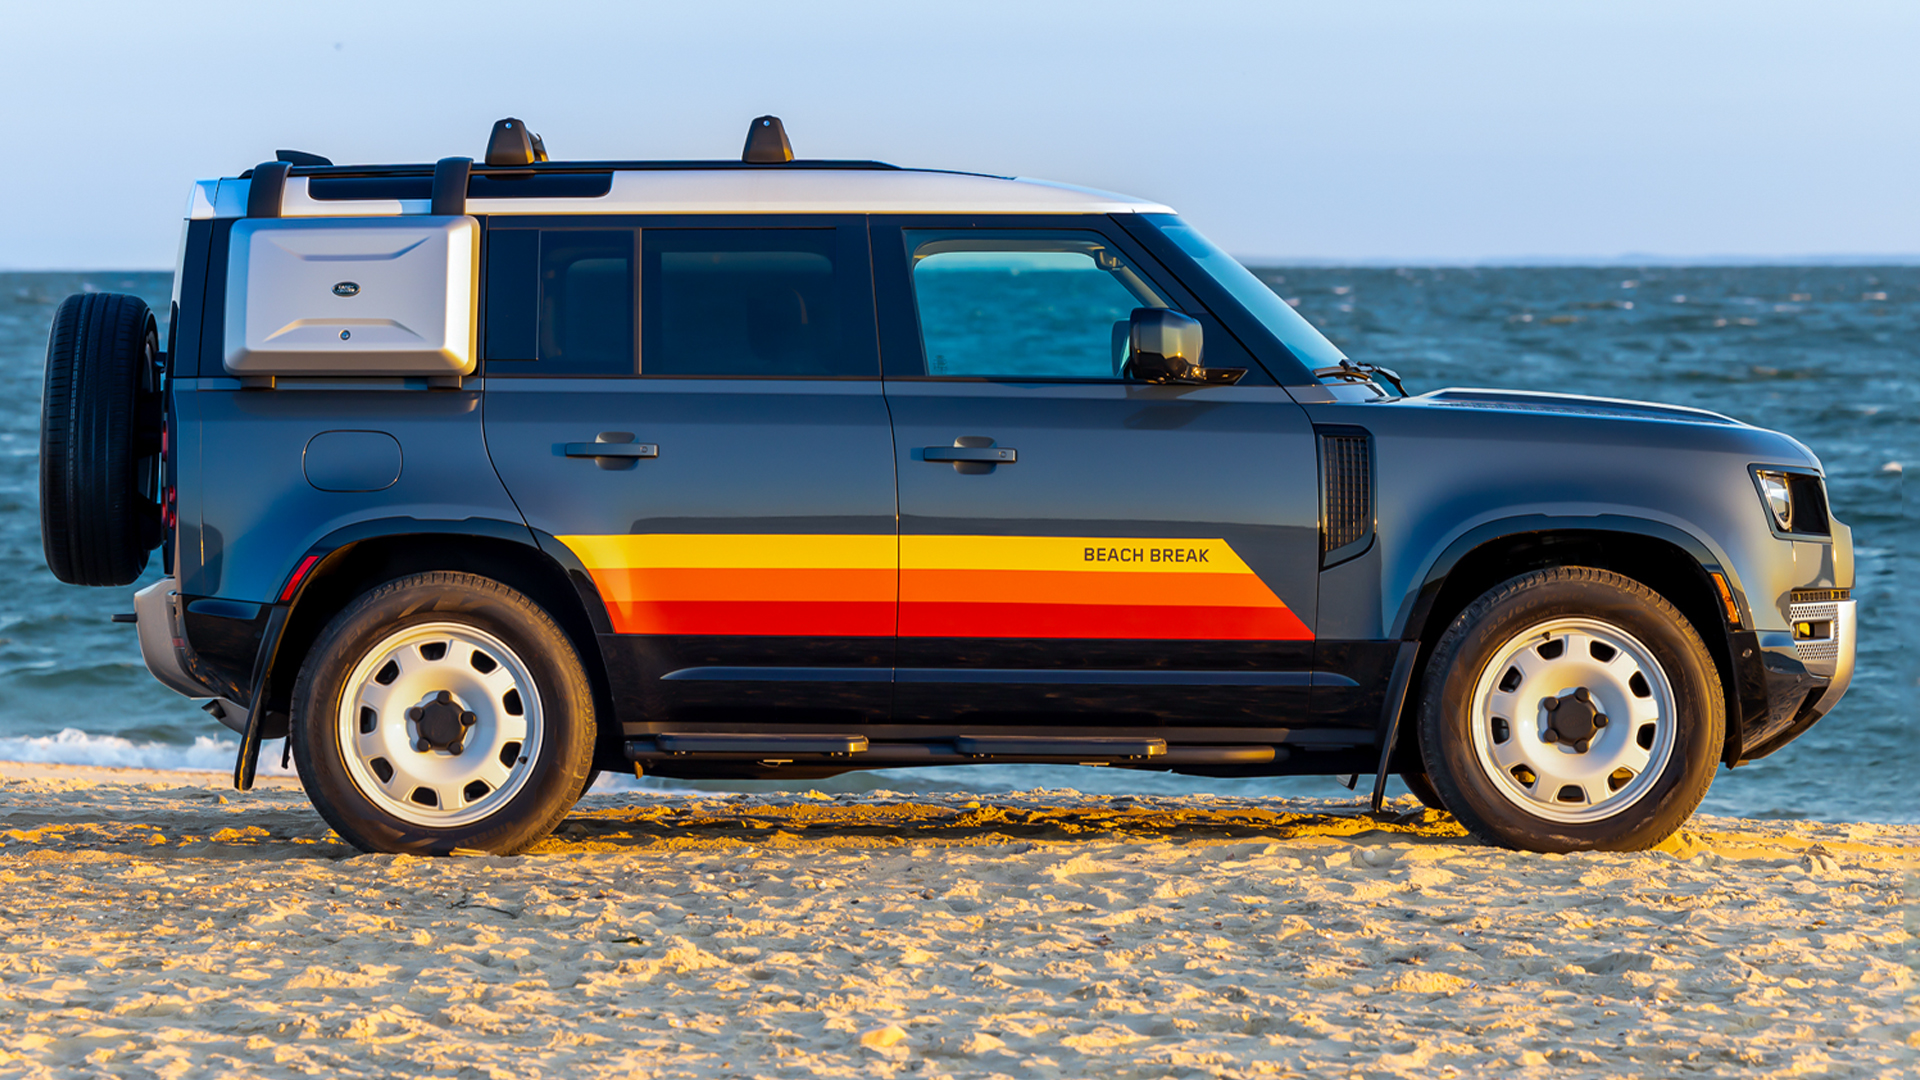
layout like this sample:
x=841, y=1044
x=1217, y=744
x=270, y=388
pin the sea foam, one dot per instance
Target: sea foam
x=76, y=747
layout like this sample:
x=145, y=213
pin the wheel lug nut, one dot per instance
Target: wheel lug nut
x=423, y=746
x=1599, y=720
x=413, y=714
x=1551, y=703
x=1580, y=747
x=1549, y=736
x=467, y=719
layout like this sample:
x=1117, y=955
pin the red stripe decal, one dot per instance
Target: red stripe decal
x=1125, y=621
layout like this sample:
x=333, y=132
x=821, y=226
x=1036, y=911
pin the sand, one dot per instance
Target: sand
x=157, y=925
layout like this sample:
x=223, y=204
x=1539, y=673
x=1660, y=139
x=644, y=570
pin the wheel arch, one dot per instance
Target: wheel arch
x=352, y=560
x=1666, y=559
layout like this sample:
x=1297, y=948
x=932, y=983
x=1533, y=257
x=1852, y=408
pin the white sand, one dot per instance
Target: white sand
x=151, y=928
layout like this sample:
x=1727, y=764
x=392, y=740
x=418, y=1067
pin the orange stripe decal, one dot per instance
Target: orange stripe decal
x=933, y=586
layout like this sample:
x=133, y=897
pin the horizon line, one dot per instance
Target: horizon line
x=1628, y=260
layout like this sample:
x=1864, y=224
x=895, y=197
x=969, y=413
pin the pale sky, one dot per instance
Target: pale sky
x=1362, y=130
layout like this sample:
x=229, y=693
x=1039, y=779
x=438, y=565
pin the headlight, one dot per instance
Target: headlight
x=1779, y=495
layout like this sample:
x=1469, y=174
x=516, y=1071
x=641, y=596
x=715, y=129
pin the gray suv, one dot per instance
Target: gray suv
x=478, y=478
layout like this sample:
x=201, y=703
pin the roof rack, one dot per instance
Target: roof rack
x=512, y=150
x=561, y=167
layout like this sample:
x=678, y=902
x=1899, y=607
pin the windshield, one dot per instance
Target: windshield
x=1297, y=334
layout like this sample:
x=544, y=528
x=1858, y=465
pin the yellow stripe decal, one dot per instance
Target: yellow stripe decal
x=696, y=551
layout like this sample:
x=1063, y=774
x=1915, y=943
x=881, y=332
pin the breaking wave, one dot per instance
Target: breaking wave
x=75, y=747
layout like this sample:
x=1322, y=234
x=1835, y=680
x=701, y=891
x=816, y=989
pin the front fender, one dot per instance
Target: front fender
x=1422, y=574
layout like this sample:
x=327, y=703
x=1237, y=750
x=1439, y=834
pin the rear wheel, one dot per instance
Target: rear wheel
x=1571, y=709
x=443, y=712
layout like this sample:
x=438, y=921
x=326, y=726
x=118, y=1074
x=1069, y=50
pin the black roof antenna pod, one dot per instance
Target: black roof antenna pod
x=512, y=144
x=299, y=157
x=767, y=142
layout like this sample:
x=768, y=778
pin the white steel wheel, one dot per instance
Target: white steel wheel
x=1573, y=720
x=1571, y=709
x=437, y=723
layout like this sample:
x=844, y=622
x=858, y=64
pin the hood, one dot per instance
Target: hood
x=1564, y=404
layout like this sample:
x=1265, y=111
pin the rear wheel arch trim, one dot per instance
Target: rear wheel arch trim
x=546, y=555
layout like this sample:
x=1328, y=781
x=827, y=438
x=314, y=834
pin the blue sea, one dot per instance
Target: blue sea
x=1829, y=354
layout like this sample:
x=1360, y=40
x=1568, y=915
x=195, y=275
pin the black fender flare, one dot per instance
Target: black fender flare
x=1418, y=609
x=1412, y=623
x=327, y=552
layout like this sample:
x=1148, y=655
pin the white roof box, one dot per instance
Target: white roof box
x=352, y=296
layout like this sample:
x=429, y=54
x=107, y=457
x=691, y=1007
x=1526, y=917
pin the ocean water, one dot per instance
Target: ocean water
x=1828, y=354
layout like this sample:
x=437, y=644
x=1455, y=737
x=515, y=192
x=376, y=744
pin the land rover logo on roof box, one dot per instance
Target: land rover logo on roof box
x=347, y=288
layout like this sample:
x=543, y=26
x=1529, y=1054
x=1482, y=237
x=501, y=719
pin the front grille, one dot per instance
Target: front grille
x=1819, y=596
x=1346, y=520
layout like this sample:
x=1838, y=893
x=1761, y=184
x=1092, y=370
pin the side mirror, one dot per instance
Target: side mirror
x=1164, y=347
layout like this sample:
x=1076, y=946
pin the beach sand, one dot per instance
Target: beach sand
x=159, y=925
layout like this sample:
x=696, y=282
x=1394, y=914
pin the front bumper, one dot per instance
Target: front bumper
x=1800, y=678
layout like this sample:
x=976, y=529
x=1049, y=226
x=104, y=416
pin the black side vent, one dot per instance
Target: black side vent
x=1346, y=493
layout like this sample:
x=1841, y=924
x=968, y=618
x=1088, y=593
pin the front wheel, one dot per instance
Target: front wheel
x=443, y=712
x=1572, y=709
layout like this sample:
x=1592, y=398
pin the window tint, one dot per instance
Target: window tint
x=560, y=302
x=1024, y=304
x=765, y=302
x=586, y=301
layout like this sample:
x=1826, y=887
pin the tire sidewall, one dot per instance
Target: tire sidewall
x=1470, y=644
x=558, y=775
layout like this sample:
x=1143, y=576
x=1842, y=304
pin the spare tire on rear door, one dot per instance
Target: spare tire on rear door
x=100, y=426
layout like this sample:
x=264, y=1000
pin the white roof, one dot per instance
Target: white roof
x=731, y=191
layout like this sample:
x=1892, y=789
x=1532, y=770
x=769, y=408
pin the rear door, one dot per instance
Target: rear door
x=1117, y=553
x=692, y=410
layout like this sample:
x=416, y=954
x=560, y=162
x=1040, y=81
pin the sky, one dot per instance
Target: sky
x=1382, y=131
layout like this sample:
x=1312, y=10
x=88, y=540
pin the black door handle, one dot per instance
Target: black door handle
x=612, y=450
x=992, y=455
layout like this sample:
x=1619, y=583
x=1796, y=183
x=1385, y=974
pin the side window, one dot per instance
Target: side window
x=1018, y=303
x=747, y=302
x=560, y=301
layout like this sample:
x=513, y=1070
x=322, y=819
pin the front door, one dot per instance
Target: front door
x=1076, y=547
x=692, y=410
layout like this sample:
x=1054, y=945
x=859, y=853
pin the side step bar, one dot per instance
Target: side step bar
x=1042, y=746
x=760, y=745
x=961, y=750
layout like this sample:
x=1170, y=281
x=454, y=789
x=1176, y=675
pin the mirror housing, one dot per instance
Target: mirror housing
x=1164, y=347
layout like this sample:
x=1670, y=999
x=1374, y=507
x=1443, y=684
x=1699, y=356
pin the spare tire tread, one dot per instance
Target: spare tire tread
x=91, y=503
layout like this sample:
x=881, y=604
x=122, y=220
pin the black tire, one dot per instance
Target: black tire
x=100, y=440
x=1654, y=802
x=560, y=718
x=1422, y=787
